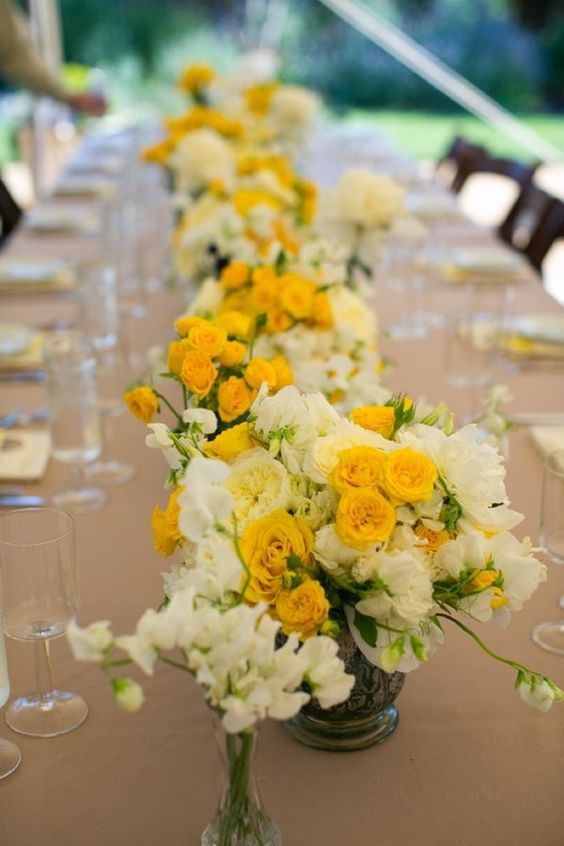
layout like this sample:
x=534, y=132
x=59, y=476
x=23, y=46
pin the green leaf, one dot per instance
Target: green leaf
x=367, y=627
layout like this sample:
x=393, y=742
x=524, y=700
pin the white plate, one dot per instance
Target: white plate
x=486, y=260
x=32, y=271
x=14, y=339
x=546, y=328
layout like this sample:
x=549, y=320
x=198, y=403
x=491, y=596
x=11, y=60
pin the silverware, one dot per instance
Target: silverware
x=22, y=418
x=21, y=501
x=22, y=376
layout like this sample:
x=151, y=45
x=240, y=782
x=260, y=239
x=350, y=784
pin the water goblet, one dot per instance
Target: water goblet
x=549, y=634
x=39, y=598
x=73, y=415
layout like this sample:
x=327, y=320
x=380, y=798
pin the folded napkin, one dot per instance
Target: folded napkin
x=75, y=186
x=548, y=439
x=62, y=220
x=23, y=455
x=29, y=359
x=35, y=274
x=456, y=274
x=521, y=347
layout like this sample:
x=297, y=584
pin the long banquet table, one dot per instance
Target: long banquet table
x=468, y=765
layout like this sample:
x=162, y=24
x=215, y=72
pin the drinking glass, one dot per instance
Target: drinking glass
x=73, y=415
x=39, y=594
x=10, y=756
x=472, y=343
x=550, y=634
x=99, y=320
x=405, y=276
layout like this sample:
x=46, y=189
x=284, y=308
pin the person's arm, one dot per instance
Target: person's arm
x=21, y=64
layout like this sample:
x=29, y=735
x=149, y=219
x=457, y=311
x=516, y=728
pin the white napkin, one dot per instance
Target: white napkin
x=23, y=455
x=33, y=274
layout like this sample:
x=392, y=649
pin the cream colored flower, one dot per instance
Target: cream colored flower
x=258, y=485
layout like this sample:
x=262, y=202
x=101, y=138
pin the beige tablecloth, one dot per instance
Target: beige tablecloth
x=469, y=765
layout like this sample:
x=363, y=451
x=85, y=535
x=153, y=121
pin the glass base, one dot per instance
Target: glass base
x=80, y=501
x=407, y=331
x=60, y=713
x=267, y=834
x=10, y=758
x=550, y=636
x=108, y=473
x=343, y=736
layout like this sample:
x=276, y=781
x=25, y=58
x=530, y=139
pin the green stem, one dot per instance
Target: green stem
x=176, y=664
x=171, y=407
x=495, y=655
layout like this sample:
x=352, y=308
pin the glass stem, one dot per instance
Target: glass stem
x=77, y=475
x=43, y=673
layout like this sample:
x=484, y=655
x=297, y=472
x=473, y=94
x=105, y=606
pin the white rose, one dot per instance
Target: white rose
x=293, y=110
x=258, y=484
x=329, y=550
x=200, y=157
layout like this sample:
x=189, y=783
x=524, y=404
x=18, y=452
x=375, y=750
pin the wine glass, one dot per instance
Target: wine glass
x=550, y=634
x=99, y=320
x=405, y=275
x=73, y=415
x=10, y=755
x=39, y=592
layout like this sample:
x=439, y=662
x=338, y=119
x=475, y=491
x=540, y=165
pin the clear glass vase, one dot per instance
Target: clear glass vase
x=240, y=819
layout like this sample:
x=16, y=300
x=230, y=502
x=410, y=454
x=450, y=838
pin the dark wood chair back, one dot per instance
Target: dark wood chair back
x=469, y=159
x=525, y=227
x=10, y=213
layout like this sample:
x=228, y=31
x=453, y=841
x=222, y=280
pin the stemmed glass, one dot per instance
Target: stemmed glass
x=73, y=415
x=39, y=592
x=10, y=756
x=99, y=320
x=405, y=275
x=550, y=634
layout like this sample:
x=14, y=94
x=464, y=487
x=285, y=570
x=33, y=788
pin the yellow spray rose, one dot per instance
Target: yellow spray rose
x=184, y=324
x=364, y=517
x=266, y=545
x=259, y=370
x=277, y=321
x=142, y=402
x=322, y=315
x=297, y=296
x=234, y=398
x=195, y=77
x=176, y=354
x=303, y=609
x=158, y=153
x=233, y=354
x=235, y=275
x=264, y=274
x=283, y=371
x=198, y=373
x=231, y=443
x=235, y=323
x=377, y=418
x=263, y=295
x=357, y=467
x=207, y=338
x=409, y=476
x=166, y=534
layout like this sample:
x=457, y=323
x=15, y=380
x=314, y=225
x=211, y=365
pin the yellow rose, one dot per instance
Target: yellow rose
x=235, y=301
x=289, y=244
x=246, y=199
x=235, y=323
x=264, y=274
x=434, y=539
x=263, y=295
x=283, y=371
x=357, y=467
x=409, y=476
x=142, y=402
x=277, y=321
x=377, y=418
x=198, y=373
x=235, y=275
x=303, y=609
x=231, y=443
x=184, y=324
x=258, y=97
x=233, y=398
x=266, y=545
x=176, y=354
x=207, y=338
x=233, y=354
x=158, y=153
x=259, y=370
x=364, y=517
x=166, y=534
x=195, y=77
x=297, y=296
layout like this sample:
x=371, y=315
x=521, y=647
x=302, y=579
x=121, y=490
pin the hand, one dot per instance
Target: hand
x=88, y=102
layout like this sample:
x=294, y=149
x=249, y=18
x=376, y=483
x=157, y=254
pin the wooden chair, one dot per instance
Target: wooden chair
x=10, y=213
x=532, y=224
x=469, y=159
x=458, y=162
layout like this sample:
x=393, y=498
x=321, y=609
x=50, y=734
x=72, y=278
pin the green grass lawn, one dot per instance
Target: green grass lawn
x=427, y=135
